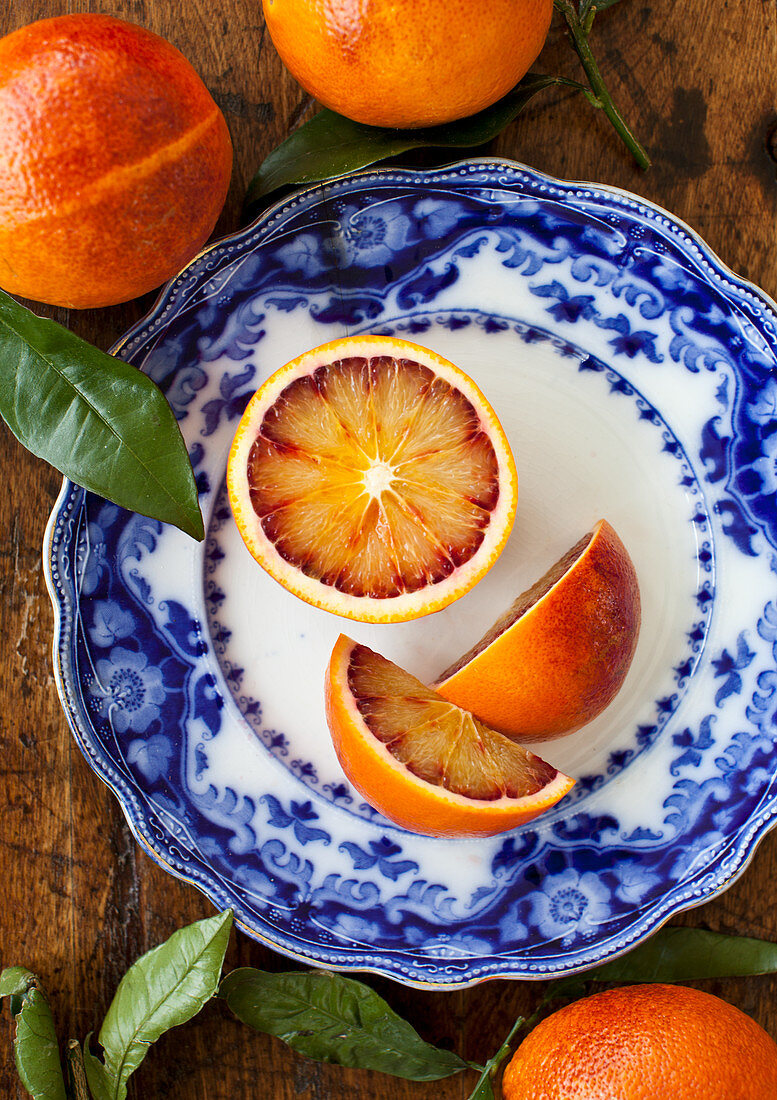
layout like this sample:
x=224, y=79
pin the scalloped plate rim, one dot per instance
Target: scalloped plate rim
x=760, y=824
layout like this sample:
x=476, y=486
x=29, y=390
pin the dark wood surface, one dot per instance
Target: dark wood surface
x=81, y=901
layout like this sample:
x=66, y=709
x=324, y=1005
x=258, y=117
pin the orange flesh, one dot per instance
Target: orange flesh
x=437, y=741
x=373, y=476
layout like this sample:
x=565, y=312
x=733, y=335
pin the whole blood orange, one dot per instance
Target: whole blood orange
x=560, y=654
x=114, y=161
x=408, y=63
x=371, y=478
x=422, y=762
x=645, y=1042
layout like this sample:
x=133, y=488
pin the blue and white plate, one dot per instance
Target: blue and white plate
x=635, y=377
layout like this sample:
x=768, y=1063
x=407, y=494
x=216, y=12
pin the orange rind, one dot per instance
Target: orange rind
x=408, y=64
x=425, y=764
x=645, y=1042
x=561, y=653
x=371, y=478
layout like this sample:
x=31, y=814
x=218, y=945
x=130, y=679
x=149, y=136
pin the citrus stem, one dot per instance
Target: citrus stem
x=75, y=1060
x=491, y=1067
x=579, y=32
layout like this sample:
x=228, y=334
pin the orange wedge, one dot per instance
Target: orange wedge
x=371, y=478
x=424, y=763
x=561, y=653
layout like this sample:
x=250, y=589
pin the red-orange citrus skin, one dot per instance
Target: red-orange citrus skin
x=371, y=478
x=408, y=63
x=410, y=802
x=565, y=659
x=114, y=161
x=645, y=1042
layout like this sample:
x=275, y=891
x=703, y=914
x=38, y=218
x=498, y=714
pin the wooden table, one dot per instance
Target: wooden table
x=81, y=901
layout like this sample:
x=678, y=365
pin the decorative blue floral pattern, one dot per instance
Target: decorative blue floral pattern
x=570, y=906
x=152, y=756
x=139, y=668
x=128, y=690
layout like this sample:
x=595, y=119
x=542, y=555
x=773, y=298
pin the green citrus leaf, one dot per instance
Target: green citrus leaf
x=689, y=954
x=334, y=1019
x=164, y=988
x=35, y=1044
x=330, y=145
x=15, y=980
x=483, y=1090
x=36, y=1049
x=101, y=1084
x=100, y=421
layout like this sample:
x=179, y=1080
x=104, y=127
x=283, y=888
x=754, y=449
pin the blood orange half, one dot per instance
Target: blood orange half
x=560, y=654
x=371, y=478
x=424, y=763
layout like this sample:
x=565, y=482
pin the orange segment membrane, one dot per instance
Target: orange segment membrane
x=437, y=741
x=373, y=476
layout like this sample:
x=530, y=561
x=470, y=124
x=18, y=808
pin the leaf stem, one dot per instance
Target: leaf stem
x=579, y=30
x=491, y=1067
x=75, y=1062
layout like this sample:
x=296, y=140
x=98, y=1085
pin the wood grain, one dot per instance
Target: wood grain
x=81, y=900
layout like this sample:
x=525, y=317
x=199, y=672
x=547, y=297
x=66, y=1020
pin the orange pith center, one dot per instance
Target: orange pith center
x=436, y=740
x=374, y=476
